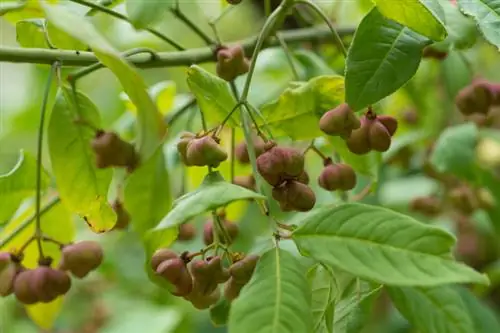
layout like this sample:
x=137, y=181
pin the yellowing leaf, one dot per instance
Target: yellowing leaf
x=45, y=314
x=163, y=93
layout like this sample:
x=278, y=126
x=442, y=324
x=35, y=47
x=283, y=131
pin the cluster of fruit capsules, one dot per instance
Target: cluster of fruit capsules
x=45, y=283
x=198, y=280
x=479, y=102
x=337, y=176
x=371, y=132
x=283, y=168
x=200, y=151
x=231, y=62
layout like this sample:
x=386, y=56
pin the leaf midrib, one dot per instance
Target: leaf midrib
x=278, y=293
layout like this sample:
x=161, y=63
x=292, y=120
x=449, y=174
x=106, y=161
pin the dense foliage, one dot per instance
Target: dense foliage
x=337, y=172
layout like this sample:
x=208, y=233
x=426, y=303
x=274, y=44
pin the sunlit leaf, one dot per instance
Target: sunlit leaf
x=82, y=187
x=381, y=245
x=146, y=13
x=213, y=95
x=29, y=9
x=383, y=56
x=18, y=184
x=297, y=111
x=487, y=15
x=31, y=33
x=45, y=314
x=432, y=310
x=163, y=93
x=277, y=298
x=149, y=123
x=422, y=16
x=147, y=193
x=214, y=192
x=62, y=40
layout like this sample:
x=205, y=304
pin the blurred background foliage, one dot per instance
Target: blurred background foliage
x=119, y=297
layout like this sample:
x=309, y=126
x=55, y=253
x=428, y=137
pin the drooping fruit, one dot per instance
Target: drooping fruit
x=474, y=98
x=182, y=146
x=175, y=271
x=81, y=258
x=122, y=216
x=241, y=150
x=429, y=206
x=379, y=137
x=241, y=272
x=8, y=271
x=208, y=233
x=160, y=256
x=303, y=178
x=359, y=142
x=279, y=164
x=48, y=283
x=463, y=199
x=187, y=232
x=340, y=121
x=205, y=151
x=293, y=195
x=112, y=151
x=337, y=177
x=23, y=288
x=231, y=62
x=247, y=182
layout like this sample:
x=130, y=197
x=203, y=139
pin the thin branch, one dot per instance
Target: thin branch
x=122, y=17
x=289, y=56
x=163, y=59
x=187, y=21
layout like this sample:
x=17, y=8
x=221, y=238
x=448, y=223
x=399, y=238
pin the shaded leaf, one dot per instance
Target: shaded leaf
x=146, y=13
x=381, y=245
x=383, y=56
x=147, y=193
x=18, y=184
x=432, y=310
x=150, y=128
x=82, y=187
x=416, y=15
x=297, y=111
x=323, y=298
x=462, y=30
x=277, y=298
x=313, y=64
x=213, y=95
x=219, y=313
x=484, y=320
x=214, y=192
x=487, y=15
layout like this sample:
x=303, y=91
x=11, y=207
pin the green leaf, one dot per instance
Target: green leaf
x=277, y=298
x=381, y=245
x=28, y=9
x=313, y=64
x=146, y=13
x=415, y=15
x=44, y=315
x=18, y=184
x=219, y=313
x=487, y=15
x=10, y=6
x=323, y=298
x=147, y=193
x=367, y=164
x=455, y=151
x=462, y=31
x=297, y=111
x=31, y=33
x=214, y=192
x=62, y=40
x=432, y=310
x=150, y=129
x=383, y=56
x=82, y=187
x=213, y=95
x=483, y=318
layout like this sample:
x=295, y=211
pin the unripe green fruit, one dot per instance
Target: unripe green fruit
x=359, y=142
x=81, y=258
x=429, y=206
x=175, y=271
x=122, y=216
x=379, y=137
x=205, y=151
x=337, y=177
x=23, y=288
x=463, y=199
x=247, y=182
x=8, y=271
x=231, y=62
x=340, y=121
x=160, y=256
x=208, y=234
x=241, y=150
x=475, y=98
x=112, y=151
x=187, y=232
x=293, y=195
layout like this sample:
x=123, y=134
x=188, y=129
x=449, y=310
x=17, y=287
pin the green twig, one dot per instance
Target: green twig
x=233, y=152
x=289, y=56
x=187, y=21
x=122, y=17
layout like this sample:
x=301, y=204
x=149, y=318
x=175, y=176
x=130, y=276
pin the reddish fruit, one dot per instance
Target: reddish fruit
x=241, y=272
x=390, y=123
x=160, y=256
x=205, y=151
x=410, y=117
x=241, y=150
x=293, y=195
x=122, y=216
x=475, y=98
x=208, y=234
x=8, y=272
x=303, y=178
x=81, y=258
x=23, y=288
x=231, y=62
x=337, y=177
x=48, y=283
x=481, y=120
x=464, y=200
x=359, y=142
x=182, y=146
x=187, y=232
x=175, y=271
x=247, y=182
x=379, y=137
x=340, y=121
x=429, y=206
x=279, y=164
x=112, y=151
x=433, y=53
